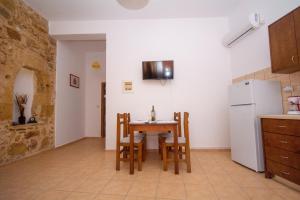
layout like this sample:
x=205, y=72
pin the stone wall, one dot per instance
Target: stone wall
x=285, y=80
x=24, y=42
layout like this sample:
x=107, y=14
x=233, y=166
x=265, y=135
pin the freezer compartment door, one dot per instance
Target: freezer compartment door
x=243, y=136
x=241, y=93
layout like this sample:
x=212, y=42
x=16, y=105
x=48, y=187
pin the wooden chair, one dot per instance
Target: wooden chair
x=183, y=143
x=123, y=142
x=140, y=134
x=163, y=136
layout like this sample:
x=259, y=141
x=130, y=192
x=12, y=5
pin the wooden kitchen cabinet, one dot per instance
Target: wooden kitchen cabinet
x=281, y=143
x=284, y=35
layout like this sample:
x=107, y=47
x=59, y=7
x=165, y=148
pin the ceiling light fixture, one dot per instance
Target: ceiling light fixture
x=133, y=4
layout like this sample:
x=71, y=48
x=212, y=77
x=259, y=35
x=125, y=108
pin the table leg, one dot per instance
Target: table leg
x=131, y=149
x=176, y=160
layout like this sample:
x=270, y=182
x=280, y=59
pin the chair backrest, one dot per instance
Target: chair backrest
x=122, y=125
x=126, y=133
x=186, y=126
x=177, y=117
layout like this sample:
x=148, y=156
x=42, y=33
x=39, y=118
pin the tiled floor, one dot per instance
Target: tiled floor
x=83, y=170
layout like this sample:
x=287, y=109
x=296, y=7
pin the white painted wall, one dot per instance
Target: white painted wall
x=252, y=53
x=93, y=92
x=69, y=105
x=202, y=72
x=24, y=84
x=73, y=105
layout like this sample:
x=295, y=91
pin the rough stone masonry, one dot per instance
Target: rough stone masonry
x=25, y=43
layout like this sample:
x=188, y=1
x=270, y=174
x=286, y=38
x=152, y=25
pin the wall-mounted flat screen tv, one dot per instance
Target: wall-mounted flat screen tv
x=158, y=70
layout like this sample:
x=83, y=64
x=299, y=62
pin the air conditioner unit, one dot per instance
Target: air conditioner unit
x=255, y=21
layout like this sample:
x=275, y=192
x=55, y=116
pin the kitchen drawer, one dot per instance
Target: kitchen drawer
x=289, y=143
x=281, y=126
x=283, y=157
x=283, y=171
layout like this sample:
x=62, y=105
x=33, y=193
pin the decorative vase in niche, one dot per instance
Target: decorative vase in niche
x=22, y=119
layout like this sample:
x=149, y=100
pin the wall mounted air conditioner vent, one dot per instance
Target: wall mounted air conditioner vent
x=255, y=21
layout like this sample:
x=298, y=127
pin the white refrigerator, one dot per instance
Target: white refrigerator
x=248, y=100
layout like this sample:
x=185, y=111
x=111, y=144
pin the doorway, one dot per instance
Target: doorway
x=103, y=109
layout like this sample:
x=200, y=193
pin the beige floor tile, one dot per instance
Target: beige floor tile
x=232, y=193
x=92, y=185
x=109, y=197
x=53, y=195
x=193, y=178
x=116, y=187
x=261, y=194
x=221, y=179
x=69, y=184
x=81, y=196
x=170, y=177
x=200, y=191
x=288, y=194
x=19, y=194
x=171, y=190
x=143, y=189
x=139, y=198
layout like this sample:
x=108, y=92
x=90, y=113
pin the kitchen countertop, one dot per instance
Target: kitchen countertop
x=296, y=117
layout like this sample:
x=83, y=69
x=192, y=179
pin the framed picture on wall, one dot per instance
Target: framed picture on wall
x=127, y=87
x=74, y=81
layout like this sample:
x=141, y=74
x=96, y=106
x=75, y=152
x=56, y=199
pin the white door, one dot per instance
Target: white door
x=241, y=93
x=243, y=135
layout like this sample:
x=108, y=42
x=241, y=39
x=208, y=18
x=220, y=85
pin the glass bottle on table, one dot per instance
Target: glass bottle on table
x=152, y=114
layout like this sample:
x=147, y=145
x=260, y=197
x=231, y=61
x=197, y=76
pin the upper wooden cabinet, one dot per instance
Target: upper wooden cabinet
x=284, y=37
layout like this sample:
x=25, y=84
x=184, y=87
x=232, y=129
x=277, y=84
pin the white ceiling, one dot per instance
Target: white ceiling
x=110, y=9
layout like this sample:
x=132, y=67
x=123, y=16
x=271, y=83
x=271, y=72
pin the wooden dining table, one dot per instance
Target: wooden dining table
x=150, y=128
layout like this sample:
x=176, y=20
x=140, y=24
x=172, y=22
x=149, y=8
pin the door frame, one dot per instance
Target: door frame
x=103, y=109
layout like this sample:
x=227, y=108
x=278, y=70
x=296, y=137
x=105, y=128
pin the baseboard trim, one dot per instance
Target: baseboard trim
x=226, y=149
x=75, y=141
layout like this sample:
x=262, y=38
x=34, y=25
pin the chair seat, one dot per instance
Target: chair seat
x=170, y=140
x=140, y=135
x=127, y=140
x=165, y=135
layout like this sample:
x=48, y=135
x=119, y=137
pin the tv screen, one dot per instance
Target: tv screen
x=158, y=70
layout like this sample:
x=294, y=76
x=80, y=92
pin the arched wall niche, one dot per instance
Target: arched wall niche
x=24, y=85
x=43, y=99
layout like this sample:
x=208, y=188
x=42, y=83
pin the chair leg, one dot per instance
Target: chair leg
x=140, y=156
x=118, y=158
x=188, y=158
x=159, y=145
x=180, y=152
x=124, y=152
x=165, y=158
x=144, y=148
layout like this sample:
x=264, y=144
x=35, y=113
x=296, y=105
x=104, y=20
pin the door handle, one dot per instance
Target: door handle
x=293, y=59
x=283, y=141
x=286, y=173
x=282, y=126
x=284, y=157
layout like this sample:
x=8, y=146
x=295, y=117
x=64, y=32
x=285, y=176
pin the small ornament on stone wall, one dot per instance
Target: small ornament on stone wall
x=32, y=120
x=21, y=100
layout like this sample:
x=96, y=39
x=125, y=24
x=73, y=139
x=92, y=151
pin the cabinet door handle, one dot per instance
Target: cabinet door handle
x=283, y=141
x=293, y=59
x=284, y=157
x=282, y=126
x=286, y=173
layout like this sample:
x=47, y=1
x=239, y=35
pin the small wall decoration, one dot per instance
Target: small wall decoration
x=74, y=81
x=127, y=87
x=96, y=65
